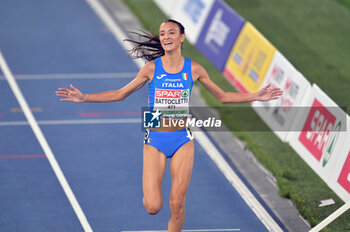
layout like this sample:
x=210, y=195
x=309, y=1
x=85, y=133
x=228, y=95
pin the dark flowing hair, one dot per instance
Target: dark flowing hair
x=148, y=46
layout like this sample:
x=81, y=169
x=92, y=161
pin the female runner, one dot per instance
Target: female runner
x=167, y=72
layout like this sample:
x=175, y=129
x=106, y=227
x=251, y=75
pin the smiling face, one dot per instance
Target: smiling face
x=170, y=36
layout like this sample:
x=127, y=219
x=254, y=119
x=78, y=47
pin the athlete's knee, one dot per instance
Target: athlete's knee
x=177, y=207
x=152, y=207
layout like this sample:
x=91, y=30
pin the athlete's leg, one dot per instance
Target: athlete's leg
x=154, y=162
x=181, y=171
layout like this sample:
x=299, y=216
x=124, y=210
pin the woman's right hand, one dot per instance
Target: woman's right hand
x=73, y=94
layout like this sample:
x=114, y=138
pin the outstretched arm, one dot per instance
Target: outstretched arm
x=265, y=94
x=75, y=95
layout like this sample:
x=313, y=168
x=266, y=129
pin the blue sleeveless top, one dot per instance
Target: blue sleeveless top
x=170, y=92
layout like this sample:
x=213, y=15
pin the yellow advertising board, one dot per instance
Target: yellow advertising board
x=249, y=59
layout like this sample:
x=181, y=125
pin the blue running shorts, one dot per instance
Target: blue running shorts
x=168, y=142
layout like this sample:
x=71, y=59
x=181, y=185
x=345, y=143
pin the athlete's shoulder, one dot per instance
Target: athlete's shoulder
x=197, y=70
x=150, y=65
x=195, y=64
x=148, y=70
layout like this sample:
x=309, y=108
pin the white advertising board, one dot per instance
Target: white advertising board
x=320, y=132
x=340, y=180
x=167, y=6
x=279, y=114
x=192, y=14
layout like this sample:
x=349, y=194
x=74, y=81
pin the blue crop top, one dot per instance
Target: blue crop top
x=170, y=92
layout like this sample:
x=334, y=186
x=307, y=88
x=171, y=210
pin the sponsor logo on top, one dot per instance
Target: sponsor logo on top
x=161, y=76
x=166, y=93
x=184, y=93
x=160, y=93
x=173, y=80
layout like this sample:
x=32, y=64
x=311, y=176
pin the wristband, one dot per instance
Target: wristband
x=84, y=99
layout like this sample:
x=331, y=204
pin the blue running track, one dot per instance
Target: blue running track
x=52, y=43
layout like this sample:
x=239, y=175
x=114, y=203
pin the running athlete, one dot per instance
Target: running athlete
x=170, y=77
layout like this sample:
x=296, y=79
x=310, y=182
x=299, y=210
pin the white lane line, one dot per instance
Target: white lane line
x=74, y=122
x=43, y=143
x=236, y=182
x=231, y=176
x=198, y=230
x=69, y=76
x=113, y=27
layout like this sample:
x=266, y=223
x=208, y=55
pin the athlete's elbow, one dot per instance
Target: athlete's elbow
x=223, y=99
x=119, y=96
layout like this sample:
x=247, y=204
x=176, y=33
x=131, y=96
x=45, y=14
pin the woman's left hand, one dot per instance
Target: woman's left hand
x=267, y=94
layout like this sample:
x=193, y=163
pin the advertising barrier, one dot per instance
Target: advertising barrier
x=167, y=6
x=340, y=180
x=320, y=130
x=192, y=14
x=219, y=33
x=249, y=59
x=279, y=114
x=305, y=117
